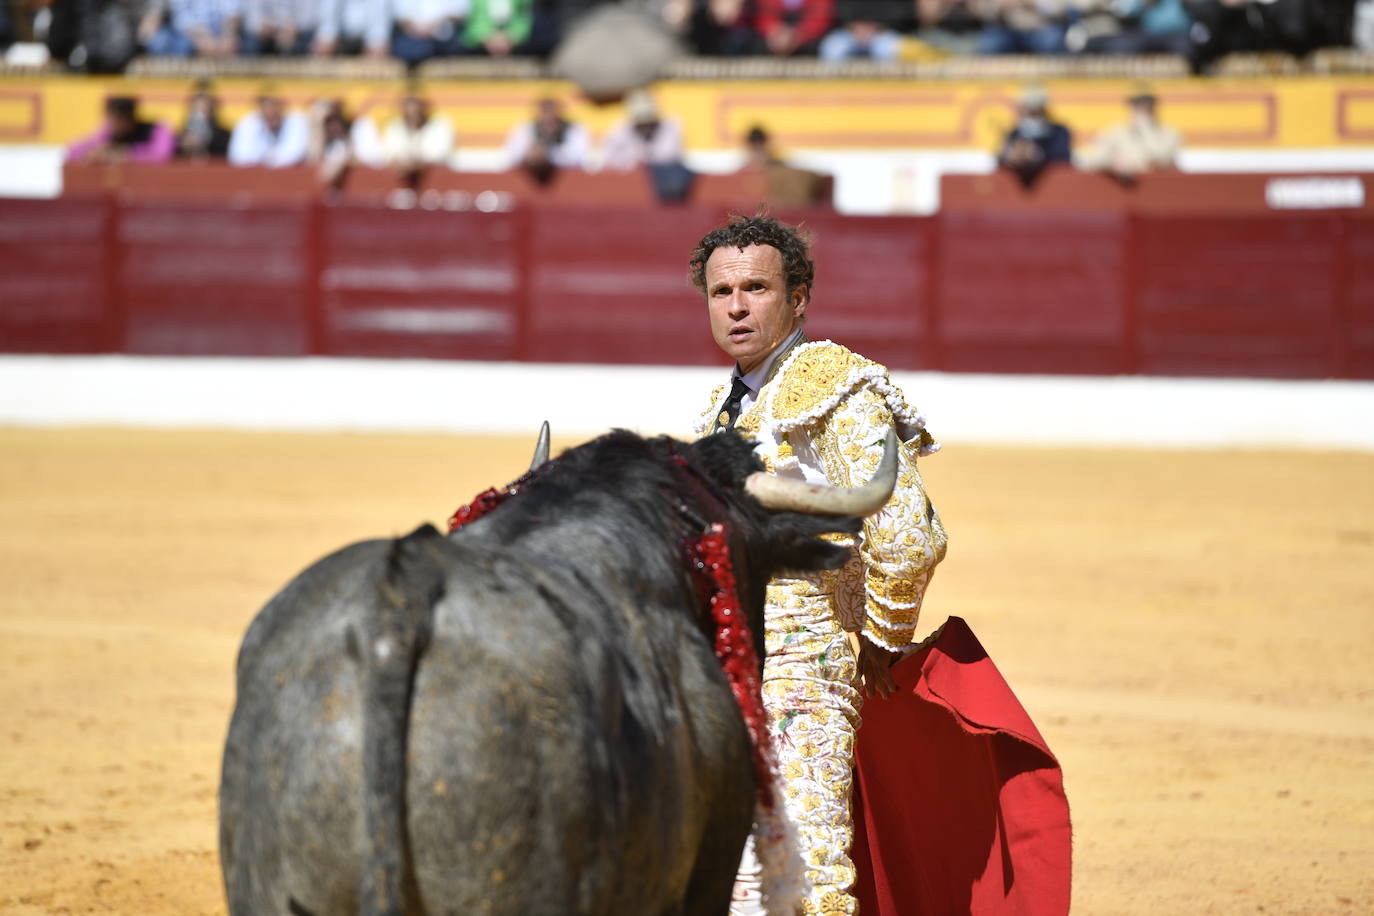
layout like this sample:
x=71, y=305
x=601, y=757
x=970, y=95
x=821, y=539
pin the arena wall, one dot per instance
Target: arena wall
x=1081, y=279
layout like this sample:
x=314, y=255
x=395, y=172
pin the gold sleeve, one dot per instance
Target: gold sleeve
x=901, y=544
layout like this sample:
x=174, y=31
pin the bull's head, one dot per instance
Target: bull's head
x=780, y=519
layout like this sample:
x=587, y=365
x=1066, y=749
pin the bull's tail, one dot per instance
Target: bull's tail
x=394, y=634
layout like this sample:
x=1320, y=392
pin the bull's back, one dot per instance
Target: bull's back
x=544, y=773
x=291, y=779
x=579, y=777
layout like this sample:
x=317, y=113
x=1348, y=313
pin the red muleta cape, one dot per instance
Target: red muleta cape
x=959, y=804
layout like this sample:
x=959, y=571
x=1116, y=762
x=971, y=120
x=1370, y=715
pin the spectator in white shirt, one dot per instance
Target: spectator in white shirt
x=548, y=143
x=643, y=138
x=427, y=28
x=416, y=139
x=270, y=136
x=353, y=26
x=279, y=26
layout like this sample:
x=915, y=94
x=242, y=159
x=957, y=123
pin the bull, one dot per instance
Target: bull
x=526, y=716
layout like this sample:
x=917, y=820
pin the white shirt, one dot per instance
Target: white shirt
x=252, y=143
x=754, y=380
x=625, y=149
x=808, y=460
x=570, y=154
x=369, y=20
x=430, y=145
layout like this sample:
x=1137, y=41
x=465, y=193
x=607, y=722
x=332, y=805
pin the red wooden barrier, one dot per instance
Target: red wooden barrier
x=201, y=279
x=1090, y=277
x=420, y=283
x=57, y=289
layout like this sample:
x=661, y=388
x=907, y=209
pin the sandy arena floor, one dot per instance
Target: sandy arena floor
x=1192, y=631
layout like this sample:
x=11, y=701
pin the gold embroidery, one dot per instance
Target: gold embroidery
x=812, y=377
x=749, y=423
x=835, y=404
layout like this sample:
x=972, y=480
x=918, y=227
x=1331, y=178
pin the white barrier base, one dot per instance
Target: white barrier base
x=435, y=396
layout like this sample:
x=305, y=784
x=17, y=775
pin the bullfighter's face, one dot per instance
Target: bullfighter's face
x=751, y=310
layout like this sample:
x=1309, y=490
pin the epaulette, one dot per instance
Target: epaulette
x=818, y=376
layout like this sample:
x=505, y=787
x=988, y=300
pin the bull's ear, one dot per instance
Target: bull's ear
x=726, y=457
x=796, y=545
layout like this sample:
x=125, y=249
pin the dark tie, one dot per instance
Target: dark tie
x=729, y=413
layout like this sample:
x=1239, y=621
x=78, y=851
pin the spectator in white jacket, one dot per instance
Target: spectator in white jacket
x=270, y=135
x=548, y=143
x=417, y=139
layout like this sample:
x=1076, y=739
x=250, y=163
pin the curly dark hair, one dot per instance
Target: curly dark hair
x=742, y=231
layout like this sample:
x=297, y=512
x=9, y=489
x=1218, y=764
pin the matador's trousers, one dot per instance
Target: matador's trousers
x=811, y=696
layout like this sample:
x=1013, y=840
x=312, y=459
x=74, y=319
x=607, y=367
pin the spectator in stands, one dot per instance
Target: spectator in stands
x=712, y=27
x=498, y=28
x=758, y=149
x=182, y=28
x=1130, y=27
x=792, y=27
x=954, y=26
x=645, y=137
x=93, y=36
x=203, y=136
x=416, y=140
x=124, y=137
x=1140, y=145
x=427, y=28
x=867, y=28
x=1024, y=27
x=353, y=27
x=270, y=135
x=1295, y=26
x=1036, y=142
x=546, y=144
x=279, y=26
x=337, y=143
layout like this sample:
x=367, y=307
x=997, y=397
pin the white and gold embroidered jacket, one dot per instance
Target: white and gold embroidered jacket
x=823, y=414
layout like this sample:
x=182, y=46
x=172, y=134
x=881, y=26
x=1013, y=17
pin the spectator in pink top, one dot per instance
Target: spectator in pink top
x=124, y=138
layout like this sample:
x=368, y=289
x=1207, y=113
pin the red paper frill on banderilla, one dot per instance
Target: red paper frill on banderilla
x=733, y=641
x=959, y=804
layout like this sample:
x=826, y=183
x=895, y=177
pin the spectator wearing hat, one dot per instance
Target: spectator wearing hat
x=645, y=137
x=124, y=137
x=270, y=135
x=1036, y=141
x=1140, y=145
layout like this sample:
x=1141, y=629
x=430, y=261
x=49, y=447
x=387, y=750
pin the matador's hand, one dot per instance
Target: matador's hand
x=875, y=666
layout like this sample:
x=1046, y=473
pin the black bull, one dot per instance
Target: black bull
x=525, y=717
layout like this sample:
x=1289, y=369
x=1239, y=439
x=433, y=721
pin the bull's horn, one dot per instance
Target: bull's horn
x=786, y=494
x=541, y=448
